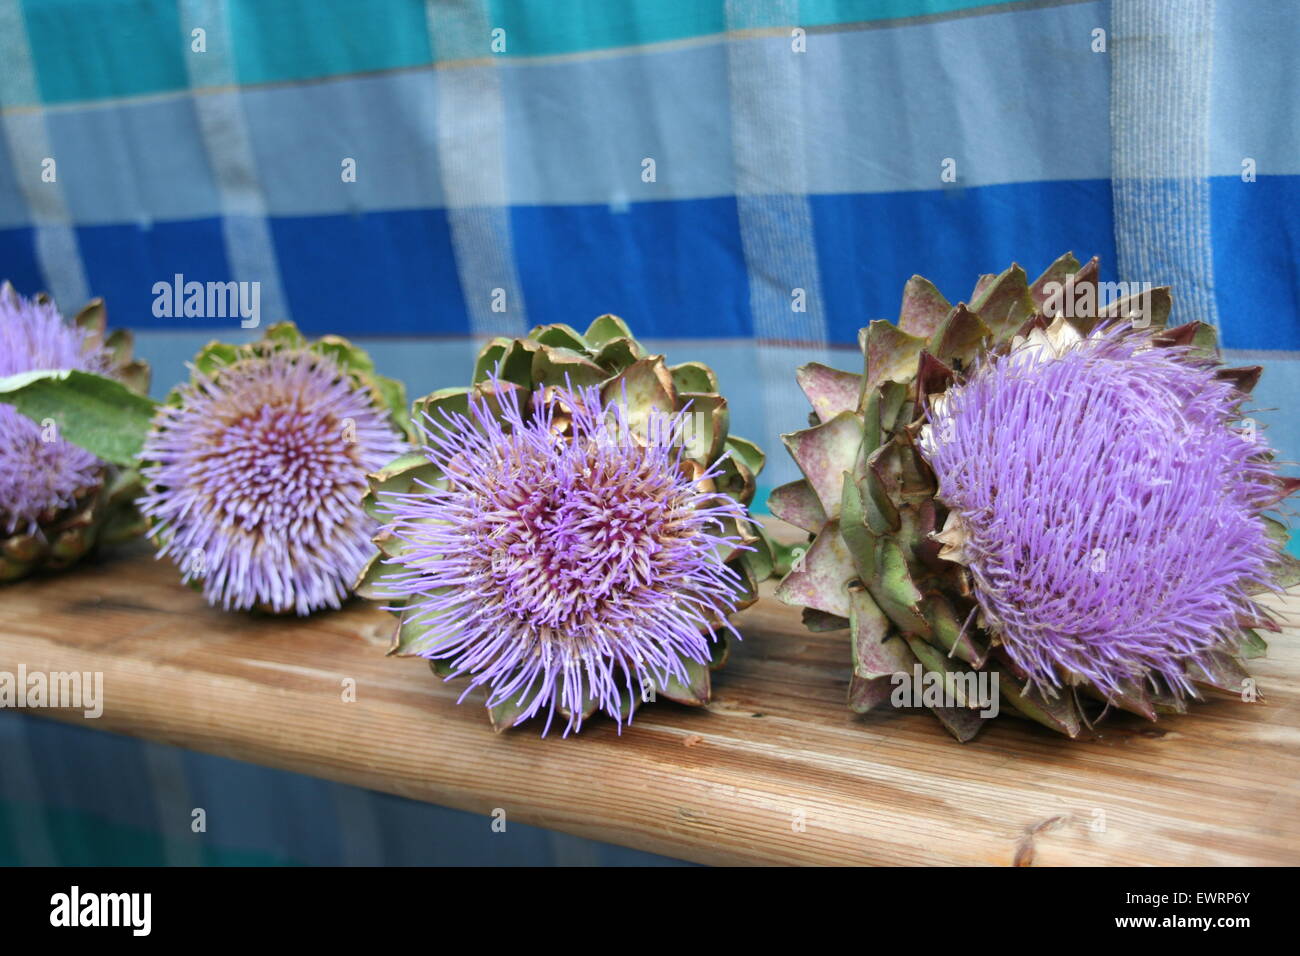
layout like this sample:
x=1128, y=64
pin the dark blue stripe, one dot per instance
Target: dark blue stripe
x=671, y=268
x=676, y=269
x=123, y=262
x=1257, y=260
x=381, y=273
x=868, y=246
x=18, y=260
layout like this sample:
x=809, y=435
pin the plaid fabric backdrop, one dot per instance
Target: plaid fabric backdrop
x=687, y=164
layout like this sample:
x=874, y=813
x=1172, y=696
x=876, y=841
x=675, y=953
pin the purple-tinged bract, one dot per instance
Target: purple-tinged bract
x=564, y=556
x=256, y=474
x=1110, y=511
x=40, y=473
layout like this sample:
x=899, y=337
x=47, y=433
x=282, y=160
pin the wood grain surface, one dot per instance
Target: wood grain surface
x=775, y=770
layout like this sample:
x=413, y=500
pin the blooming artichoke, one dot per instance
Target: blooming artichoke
x=1041, y=490
x=256, y=470
x=57, y=501
x=572, y=534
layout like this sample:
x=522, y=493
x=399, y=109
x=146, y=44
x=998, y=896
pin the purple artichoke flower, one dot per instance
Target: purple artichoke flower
x=565, y=556
x=256, y=475
x=1106, y=507
x=39, y=477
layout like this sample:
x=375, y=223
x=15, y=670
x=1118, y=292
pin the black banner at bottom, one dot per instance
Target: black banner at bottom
x=534, y=907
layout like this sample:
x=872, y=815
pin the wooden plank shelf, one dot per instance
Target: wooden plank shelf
x=775, y=770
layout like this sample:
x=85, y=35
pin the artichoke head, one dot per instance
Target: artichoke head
x=104, y=511
x=606, y=356
x=217, y=359
x=883, y=560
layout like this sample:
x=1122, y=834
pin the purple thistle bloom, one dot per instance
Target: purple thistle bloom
x=256, y=478
x=562, y=558
x=38, y=478
x=1106, y=508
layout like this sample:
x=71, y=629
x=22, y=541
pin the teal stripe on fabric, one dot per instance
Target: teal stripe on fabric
x=577, y=26
x=92, y=51
x=535, y=29
x=299, y=39
x=87, y=50
x=814, y=13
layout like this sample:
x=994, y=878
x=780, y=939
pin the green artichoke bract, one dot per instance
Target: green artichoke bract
x=573, y=533
x=57, y=502
x=1039, y=494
